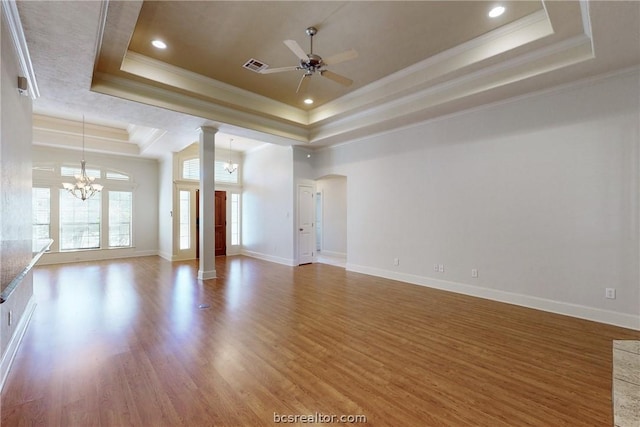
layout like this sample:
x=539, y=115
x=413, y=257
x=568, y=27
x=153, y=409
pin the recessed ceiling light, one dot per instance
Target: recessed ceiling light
x=308, y=101
x=159, y=44
x=496, y=11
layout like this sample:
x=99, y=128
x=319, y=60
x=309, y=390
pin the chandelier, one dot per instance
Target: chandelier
x=84, y=187
x=230, y=166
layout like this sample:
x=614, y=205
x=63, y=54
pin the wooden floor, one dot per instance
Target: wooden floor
x=125, y=342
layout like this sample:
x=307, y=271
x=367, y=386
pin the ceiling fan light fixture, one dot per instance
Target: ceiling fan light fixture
x=496, y=11
x=312, y=63
x=159, y=44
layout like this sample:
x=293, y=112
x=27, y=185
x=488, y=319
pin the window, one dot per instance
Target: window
x=185, y=220
x=221, y=174
x=191, y=169
x=117, y=176
x=120, y=219
x=41, y=202
x=79, y=222
x=103, y=221
x=73, y=171
x=235, y=218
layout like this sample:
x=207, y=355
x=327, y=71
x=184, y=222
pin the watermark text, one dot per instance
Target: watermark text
x=318, y=418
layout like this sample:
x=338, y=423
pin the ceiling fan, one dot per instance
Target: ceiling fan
x=312, y=63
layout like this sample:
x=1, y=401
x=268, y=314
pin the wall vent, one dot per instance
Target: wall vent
x=255, y=65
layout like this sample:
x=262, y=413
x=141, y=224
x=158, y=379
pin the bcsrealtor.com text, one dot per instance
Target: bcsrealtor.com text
x=318, y=418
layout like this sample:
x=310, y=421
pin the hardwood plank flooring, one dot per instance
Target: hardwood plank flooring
x=126, y=343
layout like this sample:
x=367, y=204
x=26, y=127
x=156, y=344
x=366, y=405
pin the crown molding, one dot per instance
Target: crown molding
x=512, y=53
x=523, y=31
x=209, y=88
x=223, y=115
x=58, y=132
x=10, y=11
x=102, y=22
x=421, y=104
x=144, y=137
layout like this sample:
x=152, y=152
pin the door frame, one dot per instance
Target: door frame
x=224, y=226
x=197, y=222
x=310, y=184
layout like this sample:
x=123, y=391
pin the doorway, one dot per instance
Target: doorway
x=331, y=208
x=306, y=236
x=220, y=223
x=318, y=221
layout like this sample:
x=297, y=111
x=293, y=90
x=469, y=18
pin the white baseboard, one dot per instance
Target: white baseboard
x=165, y=255
x=270, y=258
x=332, y=253
x=558, y=307
x=92, y=255
x=206, y=275
x=14, y=344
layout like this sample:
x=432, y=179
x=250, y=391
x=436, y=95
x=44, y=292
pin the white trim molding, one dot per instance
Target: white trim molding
x=206, y=275
x=10, y=10
x=271, y=258
x=16, y=339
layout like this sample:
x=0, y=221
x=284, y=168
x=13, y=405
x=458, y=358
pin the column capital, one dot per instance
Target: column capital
x=208, y=129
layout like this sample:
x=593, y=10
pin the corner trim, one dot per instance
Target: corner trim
x=20, y=43
x=16, y=339
x=558, y=307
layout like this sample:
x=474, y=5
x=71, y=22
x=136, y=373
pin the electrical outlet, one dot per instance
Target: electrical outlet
x=441, y=268
x=610, y=293
x=474, y=272
x=436, y=268
x=10, y=320
x=396, y=262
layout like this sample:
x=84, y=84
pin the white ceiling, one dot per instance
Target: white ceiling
x=91, y=58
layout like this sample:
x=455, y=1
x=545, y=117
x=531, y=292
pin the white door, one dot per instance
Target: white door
x=318, y=221
x=306, y=236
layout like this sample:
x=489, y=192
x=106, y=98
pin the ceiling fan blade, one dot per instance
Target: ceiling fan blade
x=304, y=82
x=341, y=57
x=336, y=77
x=295, y=48
x=278, y=70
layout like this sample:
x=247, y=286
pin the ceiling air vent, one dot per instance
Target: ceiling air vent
x=255, y=65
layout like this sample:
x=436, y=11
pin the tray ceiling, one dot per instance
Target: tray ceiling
x=417, y=60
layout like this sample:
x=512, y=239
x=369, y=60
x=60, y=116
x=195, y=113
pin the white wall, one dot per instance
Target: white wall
x=165, y=207
x=15, y=203
x=144, y=173
x=540, y=194
x=267, y=204
x=334, y=214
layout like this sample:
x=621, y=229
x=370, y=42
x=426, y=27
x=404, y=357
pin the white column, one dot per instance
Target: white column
x=207, y=149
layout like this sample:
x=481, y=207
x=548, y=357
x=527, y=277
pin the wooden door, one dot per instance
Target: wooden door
x=197, y=224
x=221, y=223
